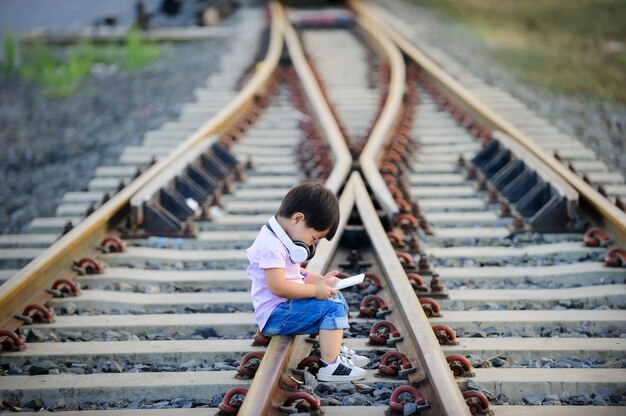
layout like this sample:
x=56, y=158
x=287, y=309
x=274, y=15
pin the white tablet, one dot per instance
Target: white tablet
x=350, y=281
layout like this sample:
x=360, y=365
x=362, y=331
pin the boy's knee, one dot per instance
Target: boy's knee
x=335, y=322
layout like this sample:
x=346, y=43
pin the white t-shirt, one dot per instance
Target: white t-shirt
x=268, y=252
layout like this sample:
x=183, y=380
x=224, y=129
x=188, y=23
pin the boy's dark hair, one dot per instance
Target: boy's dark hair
x=318, y=204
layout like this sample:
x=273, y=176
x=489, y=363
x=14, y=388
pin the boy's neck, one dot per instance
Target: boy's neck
x=284, y=223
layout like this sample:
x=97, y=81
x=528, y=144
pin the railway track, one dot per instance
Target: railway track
x=524, y=312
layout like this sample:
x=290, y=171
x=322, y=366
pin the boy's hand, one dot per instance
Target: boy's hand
x=323, y=292
x=331, y=279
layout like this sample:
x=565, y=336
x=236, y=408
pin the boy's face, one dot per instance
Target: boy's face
x=299, y=230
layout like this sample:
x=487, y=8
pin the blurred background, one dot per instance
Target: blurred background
x=571, y=46
x=79, y=80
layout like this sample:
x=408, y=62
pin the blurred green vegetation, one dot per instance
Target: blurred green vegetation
x=575, y=47
x=60, y=70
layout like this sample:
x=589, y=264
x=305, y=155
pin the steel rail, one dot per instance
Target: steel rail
x=25, y=287
x=448, y=397
x=319, y=106
x=614, y=219
x=385, y=124
x=264, y=395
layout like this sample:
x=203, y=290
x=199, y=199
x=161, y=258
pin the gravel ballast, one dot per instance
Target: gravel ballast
x=53, y=145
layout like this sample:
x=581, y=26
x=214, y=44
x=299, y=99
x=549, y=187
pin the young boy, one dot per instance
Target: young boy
x=287, y=299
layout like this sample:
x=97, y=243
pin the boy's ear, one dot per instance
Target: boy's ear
x=297, y=217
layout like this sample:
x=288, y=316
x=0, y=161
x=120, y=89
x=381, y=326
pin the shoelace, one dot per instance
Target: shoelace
x=347, y=352
x=345, y=360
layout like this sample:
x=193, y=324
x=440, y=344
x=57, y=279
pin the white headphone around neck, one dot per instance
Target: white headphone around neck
x=298, y=251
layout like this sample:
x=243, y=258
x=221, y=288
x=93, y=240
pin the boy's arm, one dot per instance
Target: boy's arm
x=289, y=290
x=309, y=277
x=329, y=278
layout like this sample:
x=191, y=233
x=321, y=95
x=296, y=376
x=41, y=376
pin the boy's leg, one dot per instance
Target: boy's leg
x=330, y=343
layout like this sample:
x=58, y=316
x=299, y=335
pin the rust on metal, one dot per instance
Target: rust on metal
x=395, y=364
x=66, y=287
x=228, y=406
x=261, y=339
x=384, y=333
x=373, y=306
x=417, y=282
x=249, y=364
x=595, y=237
x=615, y=257
x=445, y=335
x=477, y=402
x=88, y=265
x=398, y=406
x=113, y=244
x=460, y=365
x=39, y=313
x=312, y=363
x=302, y=402
x=11, y=341
x=436, y=284
x=431, y=307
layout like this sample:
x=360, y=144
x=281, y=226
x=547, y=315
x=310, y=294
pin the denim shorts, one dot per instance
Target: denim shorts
x=307, y=316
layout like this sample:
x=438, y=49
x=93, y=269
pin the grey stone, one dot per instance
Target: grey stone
x=492, y=306
x=498, y=362
x=73, y=335
x=330, y=401
x=69, y=308
x=77, y=370
x=346, y=388
x=551, y=398
x=472, y=385
x=41, y=367
x=599, y=401
x=534, y=399
x=206, y=332
x=604, y=392
x=355, y=399
x=502, y=398
x=34, y=404
x=35, y=335
x=382, y=394
x=325, y=388
x=409, y=409
x=112, y=335
x=490, y=330
x=573, y=335
x=310, y=380
x=116, y=367
x=581, y=400
x=222, y=366
x=189, y=364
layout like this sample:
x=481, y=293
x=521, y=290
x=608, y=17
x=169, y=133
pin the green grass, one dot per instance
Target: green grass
x=558, y=44
x=59, y=71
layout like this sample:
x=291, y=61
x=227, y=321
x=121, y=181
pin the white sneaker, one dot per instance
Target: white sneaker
x=341, y=370
x=351, y=355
